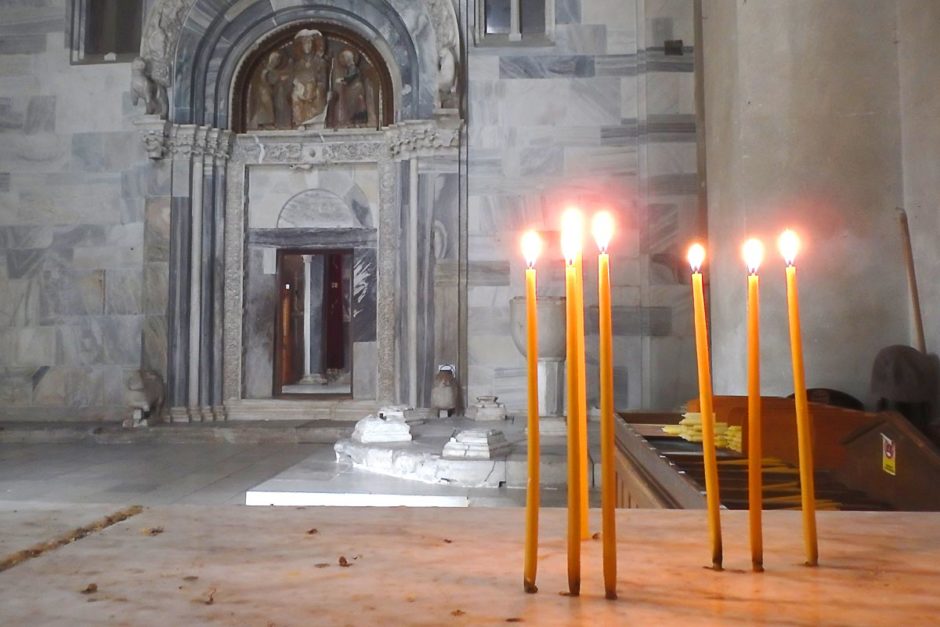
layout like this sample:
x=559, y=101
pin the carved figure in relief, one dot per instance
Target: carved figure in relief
x=447, y=78
x=352, y=98
x=271, y=95
x=145, y=89
x=309, y=95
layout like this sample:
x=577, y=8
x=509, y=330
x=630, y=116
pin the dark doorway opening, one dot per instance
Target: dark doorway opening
x=312, y=349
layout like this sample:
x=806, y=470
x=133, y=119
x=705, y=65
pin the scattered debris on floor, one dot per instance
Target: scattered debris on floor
x=344, y=562
x=76, y=534
x=207, y=598
x=313, y=532
x=152, y=531
x=90, y=588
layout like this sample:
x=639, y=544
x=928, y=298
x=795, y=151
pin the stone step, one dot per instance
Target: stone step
x=231, y=432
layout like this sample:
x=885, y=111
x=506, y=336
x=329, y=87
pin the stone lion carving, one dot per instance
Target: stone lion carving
x=145, y=89
x=143, y=398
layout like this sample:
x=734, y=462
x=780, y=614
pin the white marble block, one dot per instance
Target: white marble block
x=487, y=409
x=476, y=444
x=375, y=429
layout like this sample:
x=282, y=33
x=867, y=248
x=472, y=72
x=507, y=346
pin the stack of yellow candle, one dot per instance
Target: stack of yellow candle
x=696, y=259
x=571, y=238
x=789, y=245
x=602, y=227
x=753, y=255
x=531, y=248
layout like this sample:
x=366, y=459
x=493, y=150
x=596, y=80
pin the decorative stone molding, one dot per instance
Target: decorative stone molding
x=411, y=139
x=165, y=20
x=254, y=149
x=163, y=139
x=161, y=34
x=153, y=133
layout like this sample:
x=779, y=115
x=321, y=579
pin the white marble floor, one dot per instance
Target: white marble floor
x=142, y=473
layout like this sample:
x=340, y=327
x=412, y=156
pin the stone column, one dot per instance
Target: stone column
x=515, y=19
x=314, y=267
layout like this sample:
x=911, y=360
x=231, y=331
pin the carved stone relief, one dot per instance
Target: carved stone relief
x=315, y=79
x=164, y=25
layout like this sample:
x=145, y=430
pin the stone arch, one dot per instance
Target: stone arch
x=213, y=44
x=323, y=208
x=382, y=92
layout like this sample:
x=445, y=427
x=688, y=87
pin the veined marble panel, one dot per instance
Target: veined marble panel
x=593, y=101
x=538, y=102
x=581, y=39
x=35, y=346
x=605, y=160
x=123, y=288
x=99, y=340
x=554, y=66
x=271, y=188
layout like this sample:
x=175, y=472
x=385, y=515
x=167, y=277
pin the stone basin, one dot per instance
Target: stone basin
x=551, y=320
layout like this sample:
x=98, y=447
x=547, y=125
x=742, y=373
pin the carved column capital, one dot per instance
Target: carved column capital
x=153, y=133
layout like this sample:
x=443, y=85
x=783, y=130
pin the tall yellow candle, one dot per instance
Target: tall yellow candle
x=571, y=245
x=582, y=398
x=531, y=247
x=602, y=227
x=696, y=258
x=789, y=245
x=753, y=255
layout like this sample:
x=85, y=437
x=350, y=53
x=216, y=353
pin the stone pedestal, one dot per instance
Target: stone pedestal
x=551, y=387
x=551, y=349
x=487, y=409
x=378, y=429
x=476, y=444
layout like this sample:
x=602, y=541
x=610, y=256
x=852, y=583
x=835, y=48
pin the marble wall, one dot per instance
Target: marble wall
x=601, y=117
x=72, y=218
x=803, y=129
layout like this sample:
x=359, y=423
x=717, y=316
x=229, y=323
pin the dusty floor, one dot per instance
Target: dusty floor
x=187, y=565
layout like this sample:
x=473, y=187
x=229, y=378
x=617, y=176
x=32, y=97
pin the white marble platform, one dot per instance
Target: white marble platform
x=399, y=469
x=320, y=481
x=262, y=566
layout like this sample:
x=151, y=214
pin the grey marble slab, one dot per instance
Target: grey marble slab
x=104, y=151
x=631, y=321
x=365, y=281
x=554, y=66
x=23, y=43
x=568, y=11
x=312, y=238
x=40, y=115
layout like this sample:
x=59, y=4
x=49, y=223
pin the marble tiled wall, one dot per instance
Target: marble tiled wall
x=72, y=246
x=602, y=116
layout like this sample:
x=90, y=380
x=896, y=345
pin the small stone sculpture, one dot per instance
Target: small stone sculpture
x=308, y=98
x=144, y=88
x=444, y=390
x=144, y=398
x=447, y=78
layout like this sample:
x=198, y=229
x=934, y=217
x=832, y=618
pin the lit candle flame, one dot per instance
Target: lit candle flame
x=572, y=234
x=753, y=252
x=789, y=245
x=531, y=247
x=602, y=227
x=696, y=257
